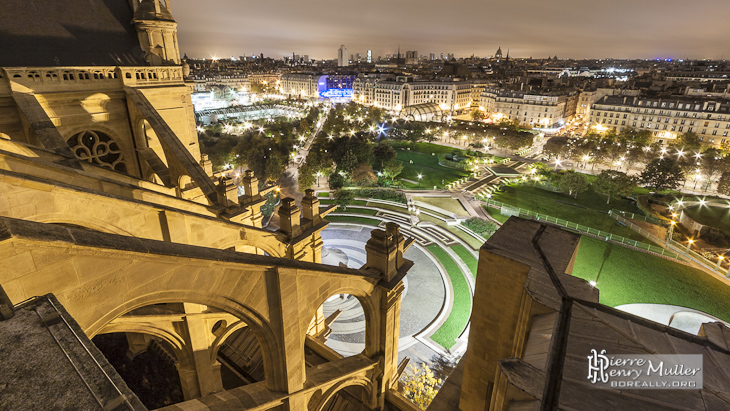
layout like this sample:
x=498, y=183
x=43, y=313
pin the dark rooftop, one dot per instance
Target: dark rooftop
x=68, y=33
x=48, y=363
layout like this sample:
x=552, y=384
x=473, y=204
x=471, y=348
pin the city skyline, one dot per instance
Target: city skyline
x=566, y=28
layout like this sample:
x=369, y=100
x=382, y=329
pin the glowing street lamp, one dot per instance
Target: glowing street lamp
x=689, y=244
x=420, y=176
x=318, y=176
x=719, y=261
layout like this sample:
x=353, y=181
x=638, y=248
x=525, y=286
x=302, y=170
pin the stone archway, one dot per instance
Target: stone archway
x=320, y=402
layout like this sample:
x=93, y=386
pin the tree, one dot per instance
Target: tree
x=514, y=139
x=336, y=181
x=420, y=385
x=347, y=162
x=557, y=147
x=307, y=177
x=687, y=141
x=392, y=169
x=723, y=187
x=384, y=152
x=662, y=174
x=478, y=115
x=712, y=164
x=572, y=183
x=363, y=175
x=343, y=197
x=614, y=183
x=303, y=127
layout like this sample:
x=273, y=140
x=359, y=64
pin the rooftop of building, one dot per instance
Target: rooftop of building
x=690, y=102
x=47, y=362
x=39, y=33
x=586, y=324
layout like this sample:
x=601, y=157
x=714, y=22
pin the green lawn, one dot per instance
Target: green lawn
x=467, y=257
x=717, y=217
x=324, y=194
x=428, y=166
x=628, y=276
x=456, y=322
x=585, y=210
x=494, y=213
x=352, y=203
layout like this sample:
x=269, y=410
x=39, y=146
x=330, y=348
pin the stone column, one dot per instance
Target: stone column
x=251, y=198
x=385, y=251
x=199, y=373
x=310, y=220
x=289, y=219
x=385, y=255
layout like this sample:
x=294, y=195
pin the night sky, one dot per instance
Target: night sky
x=528, y=28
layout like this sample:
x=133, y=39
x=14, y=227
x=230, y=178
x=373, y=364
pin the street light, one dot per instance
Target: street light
x=318, y=176
x=689, y=243
x=719, y=261
x=420, y=176
x=489, y=196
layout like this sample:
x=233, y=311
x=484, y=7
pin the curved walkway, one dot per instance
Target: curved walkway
x=442, y=257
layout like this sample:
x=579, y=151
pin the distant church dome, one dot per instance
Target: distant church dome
x=498, y=54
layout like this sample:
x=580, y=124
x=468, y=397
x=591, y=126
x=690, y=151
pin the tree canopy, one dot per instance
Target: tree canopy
x=662, y=174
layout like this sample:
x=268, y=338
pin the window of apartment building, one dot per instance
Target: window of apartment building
x=624, y=115
x=642, y=124
x=634, y=124
x=691, y=129
x=681, y=128
x=714, y=132
x=702, y=139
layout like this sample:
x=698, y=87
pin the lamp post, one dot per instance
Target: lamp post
x=318, y=176
x=420, y=176
x=671, y=230
x=489, y=196
x=719, y=261
x=689, y=243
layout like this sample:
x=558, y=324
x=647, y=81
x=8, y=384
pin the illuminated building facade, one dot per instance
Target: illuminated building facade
x=666, y=118
x=395, y=94
x=316, y=85
x=538, y=110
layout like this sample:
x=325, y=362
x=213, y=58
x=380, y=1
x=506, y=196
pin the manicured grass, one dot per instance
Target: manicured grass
x=496, y=214
x=353, y=219
x=456, y=322
x=358, y=210
x=352, y=203
x=628, y=276
x=717, y=217
x=325, y=194
x=467, y=257
x=428, y=166
x=446, y=203
x=589, y=209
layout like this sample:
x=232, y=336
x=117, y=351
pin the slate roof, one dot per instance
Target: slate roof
x=68, y=33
